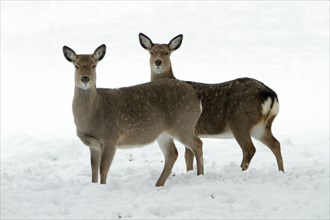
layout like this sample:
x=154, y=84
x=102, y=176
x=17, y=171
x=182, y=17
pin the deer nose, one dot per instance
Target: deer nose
x=85, y=79
x=158, y=62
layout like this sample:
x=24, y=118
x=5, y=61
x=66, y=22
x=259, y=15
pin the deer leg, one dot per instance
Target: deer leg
x=267, y=138
x=248, y=149
x=108, y=153
x=95, y=151
x=196, y=146
x=189, y=158
x=274, y=145
x=95, y=163
x=247, y=156
x=170, y=152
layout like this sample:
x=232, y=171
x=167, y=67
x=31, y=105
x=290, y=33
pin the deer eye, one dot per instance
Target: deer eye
x=167, y=53
x=77, y=67
x=151, y=53
x=93, y=66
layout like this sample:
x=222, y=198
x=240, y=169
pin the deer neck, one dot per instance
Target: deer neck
x=164, y=75
x=85, y=103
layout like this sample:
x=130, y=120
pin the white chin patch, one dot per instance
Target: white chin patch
x=158, y=69
x=84, y=86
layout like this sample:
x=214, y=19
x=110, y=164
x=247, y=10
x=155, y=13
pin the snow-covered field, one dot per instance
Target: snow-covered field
x=45, y=170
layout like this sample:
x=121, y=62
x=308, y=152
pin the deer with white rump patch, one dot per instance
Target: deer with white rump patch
x=107, y=119
x=238, y=109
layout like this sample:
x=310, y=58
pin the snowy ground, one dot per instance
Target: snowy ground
x=45, y=170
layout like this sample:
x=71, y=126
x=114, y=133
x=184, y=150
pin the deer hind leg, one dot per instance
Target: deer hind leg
x=189, y=158
x=196, y=146
x=267, y=138
x=270, y=141
x=245, y=142
x=108, y=153
x=170, y=152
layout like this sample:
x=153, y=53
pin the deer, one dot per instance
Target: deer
x=241, y=108
x=127, y=117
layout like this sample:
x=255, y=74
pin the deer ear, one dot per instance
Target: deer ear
x=99, y=53
x=145, y=41
x=175, y=43
x=69, y=54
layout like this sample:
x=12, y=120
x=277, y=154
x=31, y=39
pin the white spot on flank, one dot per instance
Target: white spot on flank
x=201, y=106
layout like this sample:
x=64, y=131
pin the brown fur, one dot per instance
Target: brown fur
x=234, y=107
x=107, y=119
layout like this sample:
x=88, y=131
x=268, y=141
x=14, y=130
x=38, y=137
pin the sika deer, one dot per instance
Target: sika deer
x=107, y=119
x=240, y=108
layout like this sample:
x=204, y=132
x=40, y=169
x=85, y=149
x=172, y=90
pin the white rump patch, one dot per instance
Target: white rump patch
x=266, y=107
x=276, y=108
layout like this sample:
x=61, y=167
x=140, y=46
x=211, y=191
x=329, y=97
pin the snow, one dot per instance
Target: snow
x=45, y=169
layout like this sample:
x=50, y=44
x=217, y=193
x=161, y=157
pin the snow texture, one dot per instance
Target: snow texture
x=45, y=168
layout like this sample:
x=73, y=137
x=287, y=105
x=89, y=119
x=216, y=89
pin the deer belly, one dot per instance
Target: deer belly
x=223, y=135
x=135, y=140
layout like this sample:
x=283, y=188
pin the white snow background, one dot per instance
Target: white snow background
x=45, y=168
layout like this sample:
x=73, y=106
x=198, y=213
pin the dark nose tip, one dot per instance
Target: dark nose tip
x=158, y=62
x=85, y=79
